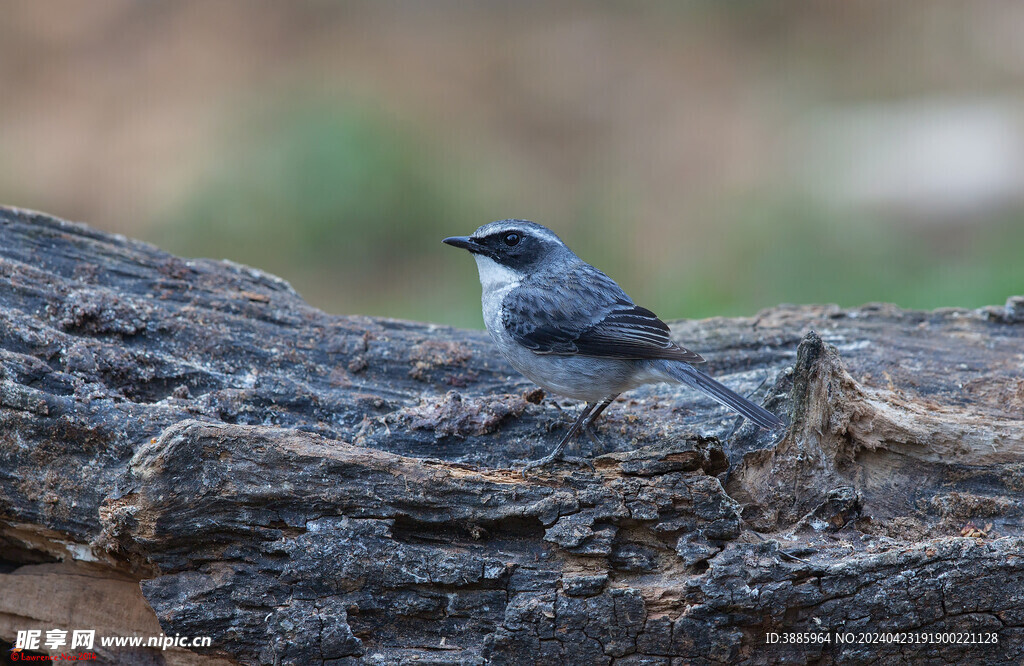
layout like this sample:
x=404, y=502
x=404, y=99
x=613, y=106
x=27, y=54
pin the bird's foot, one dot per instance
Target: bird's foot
x=550, y=458
x=582, y=462
x=537, y=464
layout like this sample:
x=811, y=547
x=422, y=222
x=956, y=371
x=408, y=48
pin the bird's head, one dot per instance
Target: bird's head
x=514, y=248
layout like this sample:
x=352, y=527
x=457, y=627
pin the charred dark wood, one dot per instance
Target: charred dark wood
x=303, y=487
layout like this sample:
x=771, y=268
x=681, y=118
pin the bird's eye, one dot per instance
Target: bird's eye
x=512, y=239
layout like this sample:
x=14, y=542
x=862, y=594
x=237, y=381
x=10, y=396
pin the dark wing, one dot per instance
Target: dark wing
x=630, y=331
x=584, y=312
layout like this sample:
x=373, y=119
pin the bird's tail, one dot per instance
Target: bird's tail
x=691, y=376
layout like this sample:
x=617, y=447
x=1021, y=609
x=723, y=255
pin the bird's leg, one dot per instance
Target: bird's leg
x=569, y=435
x=600, y=408
x=588, y=426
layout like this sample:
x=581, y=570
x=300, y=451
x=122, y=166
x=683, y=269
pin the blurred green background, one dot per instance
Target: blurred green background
x=714, y=158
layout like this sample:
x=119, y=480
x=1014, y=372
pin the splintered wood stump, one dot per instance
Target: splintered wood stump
x=309, y=488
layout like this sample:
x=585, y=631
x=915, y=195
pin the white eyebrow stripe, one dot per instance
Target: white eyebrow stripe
x=500, y=226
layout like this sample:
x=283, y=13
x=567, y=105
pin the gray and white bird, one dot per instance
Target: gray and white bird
x=570, y=329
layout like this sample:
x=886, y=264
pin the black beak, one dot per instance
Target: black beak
x=465, y=242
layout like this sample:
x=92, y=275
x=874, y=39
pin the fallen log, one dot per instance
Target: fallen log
x=302, y=487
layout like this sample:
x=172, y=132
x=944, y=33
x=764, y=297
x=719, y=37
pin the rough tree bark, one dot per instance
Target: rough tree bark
x=310, y=488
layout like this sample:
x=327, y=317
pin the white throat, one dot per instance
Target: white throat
x=494, y=276
x=495, y=282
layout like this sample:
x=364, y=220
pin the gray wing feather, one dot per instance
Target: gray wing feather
x=585, y=312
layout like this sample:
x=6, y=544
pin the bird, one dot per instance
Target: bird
x=573, y=331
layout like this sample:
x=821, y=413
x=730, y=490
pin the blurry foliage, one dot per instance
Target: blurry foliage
x=668, y=146
x=335, y=198
x=351, y=208
x=796, y=252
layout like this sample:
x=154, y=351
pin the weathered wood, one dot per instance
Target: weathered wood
x=312, y=488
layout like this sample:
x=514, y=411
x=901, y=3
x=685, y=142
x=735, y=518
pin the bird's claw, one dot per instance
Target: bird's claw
x=533, y=464
x=548, y=459
x=583, y=462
